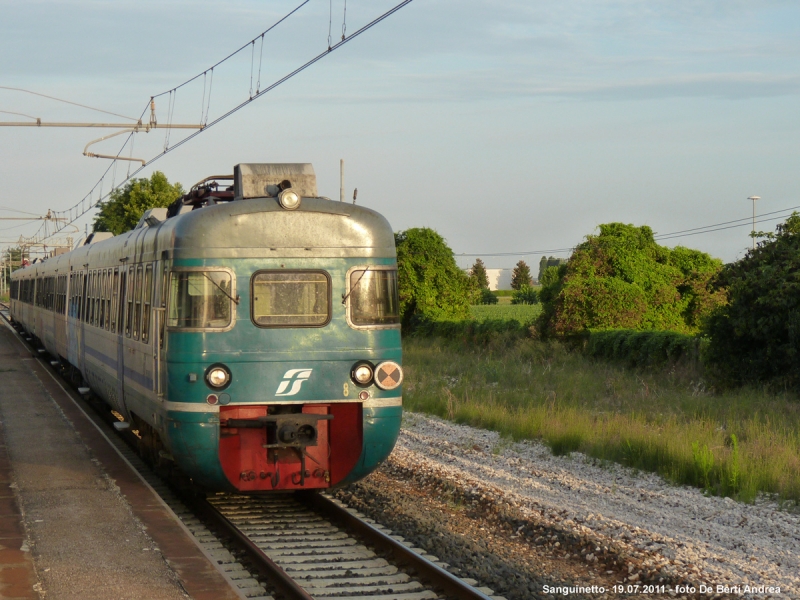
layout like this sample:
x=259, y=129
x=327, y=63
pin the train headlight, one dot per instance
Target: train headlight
x=388, y=375
x=289, y=199
x=362, y=373
x=218, y=377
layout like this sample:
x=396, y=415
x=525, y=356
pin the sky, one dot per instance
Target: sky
x=513, y=129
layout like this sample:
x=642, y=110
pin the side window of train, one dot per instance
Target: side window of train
x=109, y=281
x=101, y=298
x=163, y=319
x=372, y=298
x=137, y=309
x=95, y=304
x=102, y=295
x=114, y=300
x=89, y=303
x=129, y=302
x=123, y=289
x=201, y=299
x=87, y=297
x=82, y=299
x=93, y=298
x=147, y=289
x=290, y=298
x=59, y=294
x=84, y=294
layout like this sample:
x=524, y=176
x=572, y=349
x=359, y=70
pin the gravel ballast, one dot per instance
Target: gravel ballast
x=531, y=520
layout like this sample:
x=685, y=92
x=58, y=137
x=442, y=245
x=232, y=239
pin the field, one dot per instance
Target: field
x=524, y=313
x=737, y=443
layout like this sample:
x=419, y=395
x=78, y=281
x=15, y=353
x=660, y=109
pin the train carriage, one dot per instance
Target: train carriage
x=250, y=333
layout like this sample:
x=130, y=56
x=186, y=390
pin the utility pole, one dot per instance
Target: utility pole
x=753, y=233
x=341, y=180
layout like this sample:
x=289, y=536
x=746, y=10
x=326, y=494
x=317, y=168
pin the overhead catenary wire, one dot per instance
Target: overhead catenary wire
x=15, y=89
x=665, y=236
x=747, y=219
x=235, y=52
x=9, y=112
x=24, y=212
x=230, y=112
x=131, y=136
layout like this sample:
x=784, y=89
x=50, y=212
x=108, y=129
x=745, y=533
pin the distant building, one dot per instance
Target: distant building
x=499, y=279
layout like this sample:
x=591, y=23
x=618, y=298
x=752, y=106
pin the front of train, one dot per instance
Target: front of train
x=282, y=356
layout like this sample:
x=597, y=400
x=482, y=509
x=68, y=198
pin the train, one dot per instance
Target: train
x=249, y=333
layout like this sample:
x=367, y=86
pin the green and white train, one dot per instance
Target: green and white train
x=250, y=332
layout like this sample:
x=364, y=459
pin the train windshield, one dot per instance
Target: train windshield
x=373, y=298
x=200, y=300
x=291, y=298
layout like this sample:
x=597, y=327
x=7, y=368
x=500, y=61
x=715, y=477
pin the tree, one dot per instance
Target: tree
x=525, y=295
x=622, y=279
x=431, y=286
x=755, y=337
x=521, y=275
x=549, y=261
x=126, y=206
x=487, y=297
x=478, y=274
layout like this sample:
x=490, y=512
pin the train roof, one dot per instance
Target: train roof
x=261, y=227
x=243, y=228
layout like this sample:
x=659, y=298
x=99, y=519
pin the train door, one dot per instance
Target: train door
x=135, y=358
x=74, y=318
x=159, y=325
x=122, y=331
x=82, y=312
x=148, y=353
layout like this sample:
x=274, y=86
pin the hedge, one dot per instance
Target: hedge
x=642, y=348
x=471, y=331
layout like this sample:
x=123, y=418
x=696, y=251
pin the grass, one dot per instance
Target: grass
x=737, y=444
x=524, y=313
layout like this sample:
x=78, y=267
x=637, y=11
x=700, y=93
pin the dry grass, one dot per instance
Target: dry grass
x=737, y=444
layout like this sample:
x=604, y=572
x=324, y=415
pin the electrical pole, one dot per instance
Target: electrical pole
x=341, y=180
x=753, y=233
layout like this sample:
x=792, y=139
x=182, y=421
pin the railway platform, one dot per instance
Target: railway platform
x=75, y=520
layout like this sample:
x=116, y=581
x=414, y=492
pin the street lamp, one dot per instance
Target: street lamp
x=754, y=198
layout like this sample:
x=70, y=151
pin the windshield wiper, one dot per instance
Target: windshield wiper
x=235, y=300
x=355, y=285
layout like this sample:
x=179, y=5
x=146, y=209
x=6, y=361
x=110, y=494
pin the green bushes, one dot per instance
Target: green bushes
x=430, y=284
x=621, y=278
x=525, y=295
x=473, y=331
x=755, y=338
x=487, y=297
x=642, y=348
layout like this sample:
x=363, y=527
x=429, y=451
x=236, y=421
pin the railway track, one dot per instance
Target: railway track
x=327, y=550
x=297, y=546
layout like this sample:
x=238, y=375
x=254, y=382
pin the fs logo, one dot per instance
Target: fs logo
x=295, y=377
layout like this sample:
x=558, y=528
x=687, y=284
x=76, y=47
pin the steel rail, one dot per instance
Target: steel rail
x=428, y=572
x=282, y=581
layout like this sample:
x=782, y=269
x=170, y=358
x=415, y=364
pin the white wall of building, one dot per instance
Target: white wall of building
x=499, y=279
